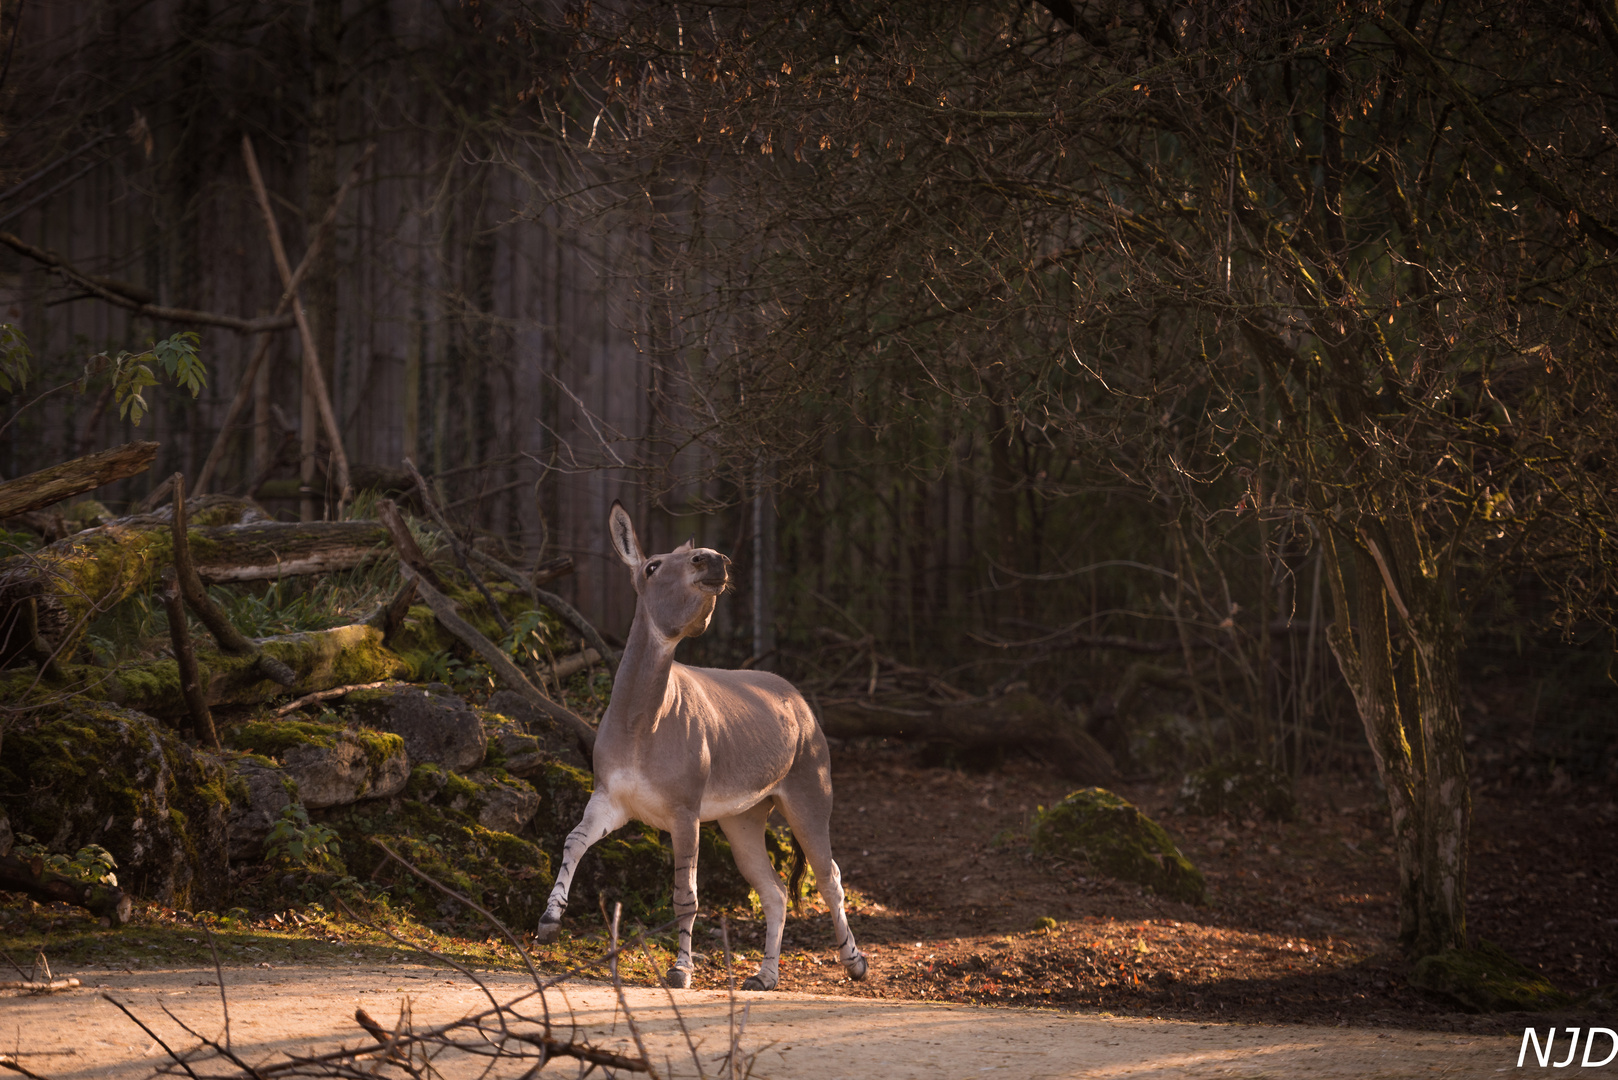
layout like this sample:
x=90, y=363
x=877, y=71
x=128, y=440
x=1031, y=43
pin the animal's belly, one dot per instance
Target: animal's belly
x=644, y=801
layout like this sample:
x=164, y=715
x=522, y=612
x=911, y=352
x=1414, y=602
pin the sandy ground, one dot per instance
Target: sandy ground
x=78, y=1035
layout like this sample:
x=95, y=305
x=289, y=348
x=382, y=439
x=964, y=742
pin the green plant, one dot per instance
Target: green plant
x=132, y=372
x=15, y=369
x=294, y=842
x=91, y=864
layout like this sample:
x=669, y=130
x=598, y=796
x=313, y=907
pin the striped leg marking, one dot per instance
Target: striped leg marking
x=601, y=816
x=684, y=838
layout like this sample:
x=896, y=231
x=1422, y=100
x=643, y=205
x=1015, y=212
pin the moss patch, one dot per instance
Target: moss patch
x=1240, y=788
x=1485, y=979
x=1115, y=838
x=93, y=773
x=508, y=875
x=273, y=738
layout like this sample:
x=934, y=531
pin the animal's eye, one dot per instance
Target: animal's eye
x=651, y=568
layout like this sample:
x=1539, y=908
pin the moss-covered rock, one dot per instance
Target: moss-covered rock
x=522, y=734
x=435, y=724
x=331, y=765
x=1110, y=834
x=508, y=875
x=1238, y=788
x=92, y=773
x=1485, y=979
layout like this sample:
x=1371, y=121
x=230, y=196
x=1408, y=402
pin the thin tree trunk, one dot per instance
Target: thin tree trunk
x=1414, y=736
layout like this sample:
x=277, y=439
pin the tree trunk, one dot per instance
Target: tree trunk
x=52, y=485
x=1399, y=659
x=1019, y=721
x=77, y=578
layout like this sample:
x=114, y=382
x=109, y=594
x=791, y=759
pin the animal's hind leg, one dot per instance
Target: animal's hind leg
x=683, y=836
x=746, y=834
x=810, y=819
x=601, y=816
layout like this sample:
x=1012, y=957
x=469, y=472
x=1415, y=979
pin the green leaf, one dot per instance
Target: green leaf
x=15, y=367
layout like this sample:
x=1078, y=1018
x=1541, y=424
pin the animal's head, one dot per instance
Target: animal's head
x=677, y=590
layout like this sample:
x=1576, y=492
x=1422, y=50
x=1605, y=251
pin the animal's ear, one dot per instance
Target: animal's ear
x=687, y=546
x=622, y=531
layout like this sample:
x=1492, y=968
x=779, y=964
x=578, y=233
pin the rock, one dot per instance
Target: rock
x=259, y=792
x=330, y=765
x=350, y=769
x=504, y=803
x=493, y=797
x=1485, y=979
x=1239, y=788
x=506, y=874
x=510, y=747
x=435, y=724
x=1108, y=832
x=93, y=773
x=6, y=839
x=550, y=736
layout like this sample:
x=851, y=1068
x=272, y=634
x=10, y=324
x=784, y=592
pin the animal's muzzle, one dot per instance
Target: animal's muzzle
x=717, y=575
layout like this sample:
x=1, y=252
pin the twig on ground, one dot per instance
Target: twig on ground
x=326, y=695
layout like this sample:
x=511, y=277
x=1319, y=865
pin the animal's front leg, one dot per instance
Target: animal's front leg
x=601, y=816
x=684, y=837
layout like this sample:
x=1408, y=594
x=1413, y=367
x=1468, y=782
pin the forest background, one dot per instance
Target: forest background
x=1237, y=376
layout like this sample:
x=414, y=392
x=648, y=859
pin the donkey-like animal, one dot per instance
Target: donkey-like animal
x=682, y=745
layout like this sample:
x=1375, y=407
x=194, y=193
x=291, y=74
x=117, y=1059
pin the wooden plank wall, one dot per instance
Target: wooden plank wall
x=460, y=309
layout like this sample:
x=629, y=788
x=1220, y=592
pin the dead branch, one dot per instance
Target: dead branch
x=196, y=700
x=245, y=390
x=316, y=381
x=455, y=545
x=52, y=485
x=31, y=878
x=39, y=987
x=326, y=695
x=92, y=285
x=230, y=639
x=564, y=610
x=444, y=609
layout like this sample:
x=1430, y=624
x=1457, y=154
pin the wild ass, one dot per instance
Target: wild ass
x=682, y=745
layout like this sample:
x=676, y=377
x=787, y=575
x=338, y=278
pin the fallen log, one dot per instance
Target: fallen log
x=52, y=485
x=32, y=879
x=320, y=659
x=76, y=578
x=1016, y=721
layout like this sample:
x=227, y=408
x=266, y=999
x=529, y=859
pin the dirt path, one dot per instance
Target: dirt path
x=79, y=1036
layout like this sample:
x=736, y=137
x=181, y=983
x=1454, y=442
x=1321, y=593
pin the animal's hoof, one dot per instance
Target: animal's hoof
x=857, y=967
x=548, y=931
x=753, y=982
x=678, y=978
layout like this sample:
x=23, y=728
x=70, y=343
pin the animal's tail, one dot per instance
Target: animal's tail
x=795, y=877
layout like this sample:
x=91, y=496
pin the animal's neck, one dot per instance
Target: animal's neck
x=643, y=673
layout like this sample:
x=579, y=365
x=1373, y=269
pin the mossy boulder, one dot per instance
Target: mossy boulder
x=1109, y=833
x=507, y=874
x=436, y=725
x=93, y=773
x=1238, y=788
x=259, y=790
x=331, y=765
x=520, y=730
x=1485, y=979
x=495, y=798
